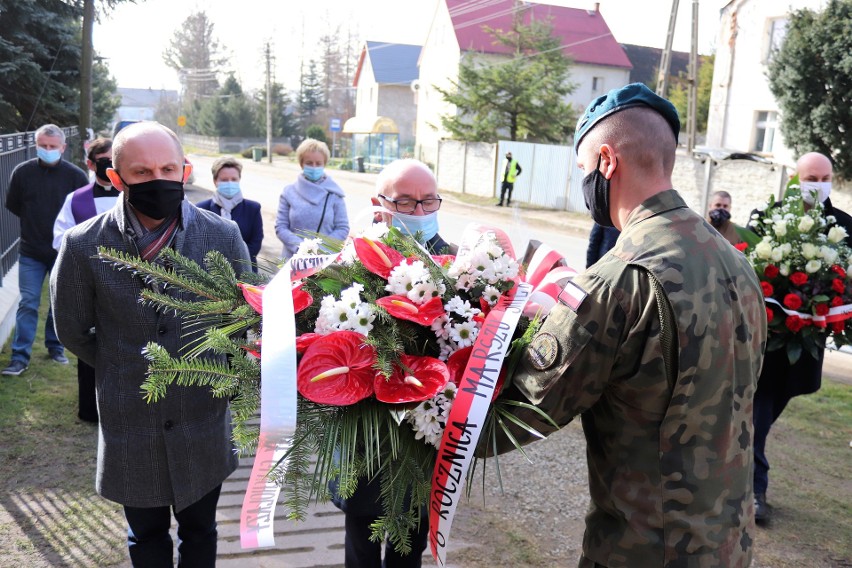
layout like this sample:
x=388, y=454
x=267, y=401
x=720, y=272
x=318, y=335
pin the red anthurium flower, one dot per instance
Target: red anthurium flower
x=301, y=299
x=838, y=286
x=253, y=295
x=401, y=307
x=767, y=289
x=792, y=301
x=443, y=259
x=484, y=306
x=416, y=379
x=821, y=309
x=741, y=246
x=798, y=278
x=306, y=340
x=771, y=271
x=337, y=369
x=457, y=362
x=377, y=257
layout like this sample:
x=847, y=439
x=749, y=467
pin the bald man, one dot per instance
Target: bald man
x=779, y=380
x=173, y=454
x=657, y=347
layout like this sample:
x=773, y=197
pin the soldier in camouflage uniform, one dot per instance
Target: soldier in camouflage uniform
x=658, y=347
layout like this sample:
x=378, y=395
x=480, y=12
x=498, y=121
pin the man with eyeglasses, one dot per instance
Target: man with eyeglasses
x=409, y=188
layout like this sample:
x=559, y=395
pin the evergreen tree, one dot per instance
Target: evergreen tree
x=105, y=97
x=811, y=78
x=311, y=96
x=195, y=54
x=521, y=96
x=39, y=64
x=283, y=122
x=679, y=93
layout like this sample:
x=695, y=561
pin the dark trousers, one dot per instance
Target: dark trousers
x=150, y=543
x=88, y=405
x=507, y=186
x=779, y=382
x=361, y=552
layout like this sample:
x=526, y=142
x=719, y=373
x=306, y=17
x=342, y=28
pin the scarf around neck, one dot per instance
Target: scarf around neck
x=227, y=204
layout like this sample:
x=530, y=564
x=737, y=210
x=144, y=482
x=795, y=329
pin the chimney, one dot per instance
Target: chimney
x=596, y=10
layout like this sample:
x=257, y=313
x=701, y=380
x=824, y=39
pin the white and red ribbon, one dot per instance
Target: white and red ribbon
x=837, y=313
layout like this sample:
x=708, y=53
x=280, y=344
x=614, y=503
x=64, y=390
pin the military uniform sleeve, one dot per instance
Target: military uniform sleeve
x=580, y=351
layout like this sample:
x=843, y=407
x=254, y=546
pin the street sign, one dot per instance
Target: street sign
x=181, y=121
x=334, y=125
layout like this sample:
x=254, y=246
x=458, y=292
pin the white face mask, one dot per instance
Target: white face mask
x=822, y=189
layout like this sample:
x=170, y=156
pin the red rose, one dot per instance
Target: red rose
x=741, y=246
x=837, y=327
x=821, y=309
x=767, y=289
x=769, y=314
x=792, y=301
x=836, y=301
x=838, y=270
x=838, y=286
x=798, y=278
x=794, y=323
x=771, y=271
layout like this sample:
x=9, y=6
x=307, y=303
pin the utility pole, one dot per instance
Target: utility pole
x=268, y=102
x=666, y=59
x=692, y=99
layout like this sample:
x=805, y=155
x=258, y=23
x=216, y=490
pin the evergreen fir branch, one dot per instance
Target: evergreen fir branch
x=165, y=370
x=155, y=273
x=166, y=302
x=202, y=276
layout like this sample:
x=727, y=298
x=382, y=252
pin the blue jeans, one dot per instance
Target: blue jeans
x=150, y=543
x=31, y=275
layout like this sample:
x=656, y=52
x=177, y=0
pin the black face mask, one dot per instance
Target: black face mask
x=596, y=194
x=718, y=217
x=157, y=199
x=101, y=167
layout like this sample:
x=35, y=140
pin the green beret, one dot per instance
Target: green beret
x=631, y=95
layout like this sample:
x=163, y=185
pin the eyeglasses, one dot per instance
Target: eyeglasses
x=408, y=205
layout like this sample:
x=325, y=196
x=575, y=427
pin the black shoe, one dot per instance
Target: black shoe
x=58, y=356
x=15, y=368
x=761, y=509
x=500, y=204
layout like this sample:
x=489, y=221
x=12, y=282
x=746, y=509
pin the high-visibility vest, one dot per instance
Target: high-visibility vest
x=513, y=168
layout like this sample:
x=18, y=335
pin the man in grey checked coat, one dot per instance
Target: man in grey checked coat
x=174, y=453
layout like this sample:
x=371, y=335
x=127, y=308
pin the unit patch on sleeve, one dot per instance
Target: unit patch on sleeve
x=543, y=350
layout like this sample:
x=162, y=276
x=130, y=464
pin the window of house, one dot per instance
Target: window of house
x=765, y=127
x=597, y=85
x=776, y=29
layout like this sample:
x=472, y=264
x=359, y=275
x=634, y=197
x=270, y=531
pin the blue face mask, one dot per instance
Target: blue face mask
x=48, y=156
x=228, y=189
x=426, y=225
x=313, y=173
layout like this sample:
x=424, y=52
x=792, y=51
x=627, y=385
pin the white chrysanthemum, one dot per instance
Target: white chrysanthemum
x=347, y=314
x=422, y=292
x=780, y=229
x=809, y=251
x=465, y=282
x=813, y=266
x=464, y=334
x=458, y=306
x=309, y=247
x=351, y=296
x=439, y=326
x=806, y=223
x=401, y=279
x=837, y=234
x=491, y=295
x=429, y=418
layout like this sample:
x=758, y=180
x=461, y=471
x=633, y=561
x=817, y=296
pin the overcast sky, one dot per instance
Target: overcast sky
x=134, y=36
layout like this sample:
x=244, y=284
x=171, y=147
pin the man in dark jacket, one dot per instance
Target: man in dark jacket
x=779, y=380
x=601, y=239
x=176, y=453
x=511, y=171
x=409, y=188
x=37, y=190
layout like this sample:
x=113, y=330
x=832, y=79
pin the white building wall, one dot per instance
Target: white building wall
x=593, y=81
x=366, y=94
x=397, y=102
x=740, y=87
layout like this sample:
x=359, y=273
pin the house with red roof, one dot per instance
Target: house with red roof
x=458, y=30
